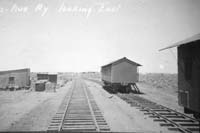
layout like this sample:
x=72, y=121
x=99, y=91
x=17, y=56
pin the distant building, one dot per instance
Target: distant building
x=42, y=76
x=15, y=78
x=52, y=78
x=46, y=82
x=45, y=76
x=189, y=74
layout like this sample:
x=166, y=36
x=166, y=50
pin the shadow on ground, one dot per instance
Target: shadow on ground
x=111, y=90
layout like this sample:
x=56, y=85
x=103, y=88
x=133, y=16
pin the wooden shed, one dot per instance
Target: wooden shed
x=121, y=72
x=15, y=78
x=189, y=74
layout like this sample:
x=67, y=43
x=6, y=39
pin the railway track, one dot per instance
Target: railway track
x=78, y=112
x=166, y=117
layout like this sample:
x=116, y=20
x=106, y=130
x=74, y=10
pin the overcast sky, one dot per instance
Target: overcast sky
x=82, y=35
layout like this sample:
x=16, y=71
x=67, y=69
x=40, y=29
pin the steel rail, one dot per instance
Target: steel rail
x=67, y=106
x=91, y=110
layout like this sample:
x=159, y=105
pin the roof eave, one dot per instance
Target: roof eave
x=185, y=41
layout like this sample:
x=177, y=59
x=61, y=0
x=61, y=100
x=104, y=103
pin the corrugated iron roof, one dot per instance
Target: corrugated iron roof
x=120, y=60
x=185, y=41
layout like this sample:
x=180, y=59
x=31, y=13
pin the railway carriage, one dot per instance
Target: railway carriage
x=189, y=74
x=121, y=74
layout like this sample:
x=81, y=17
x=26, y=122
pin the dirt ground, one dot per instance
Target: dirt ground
x=32, y=111
x=168, y=98
x=25, y=110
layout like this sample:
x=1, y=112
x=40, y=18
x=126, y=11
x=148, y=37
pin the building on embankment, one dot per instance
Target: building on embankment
x=189, y=74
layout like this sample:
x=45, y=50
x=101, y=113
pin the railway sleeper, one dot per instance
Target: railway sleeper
x=78, y=124
x=190, y=124
x=77, y=115
x=194, y=129
x=175, y=129
x=75, y=120
x=97, y=114
x=91, y=128
x=104, y=128
x=182, y=120
x=159, y=120
x=54, y=124
x=160, y=110
x=167, y=124
x=102, y=124
x=99, y=118
x=154, y=116
x=78, y=130
x=78, y=118
x=173, y=116
x=53, y=127
x=79, y=112
x=57, y=117
x=56, y=121
x=101, y=121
